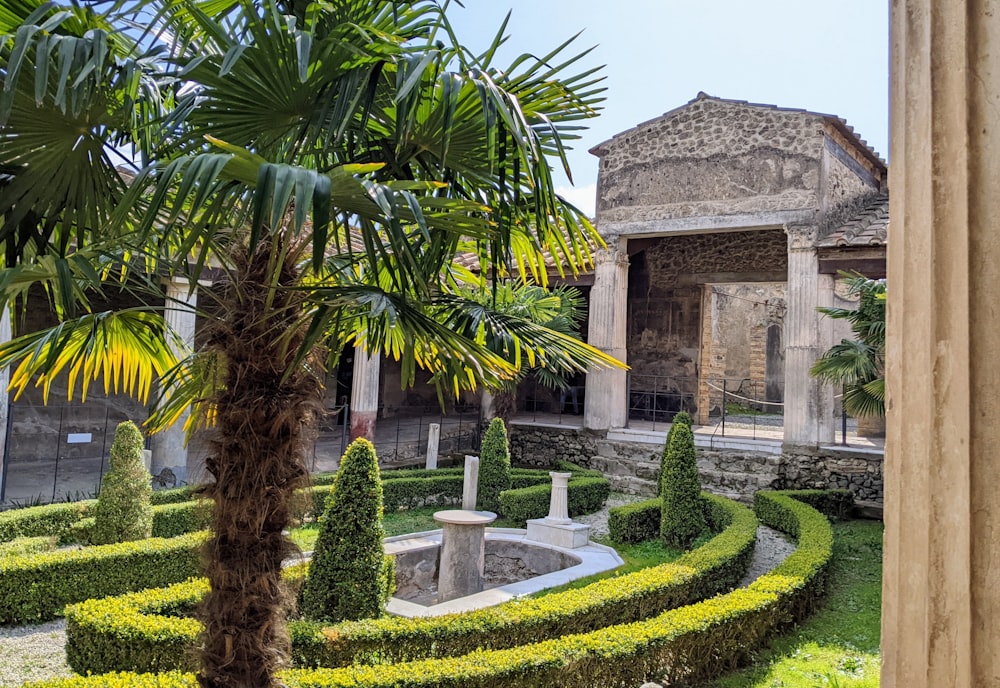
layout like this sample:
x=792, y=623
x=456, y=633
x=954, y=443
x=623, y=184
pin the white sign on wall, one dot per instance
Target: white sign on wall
x=79, y=438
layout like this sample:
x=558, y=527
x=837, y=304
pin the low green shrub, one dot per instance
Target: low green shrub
x=27, y=545
x=97, y=629
x=585, y=495
x=36, y=587
x=494, y=467
x=636, y=522
x=832, y=503
x=49, y=519
x=173, y=519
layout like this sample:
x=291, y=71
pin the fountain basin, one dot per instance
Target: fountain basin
x=514, y=567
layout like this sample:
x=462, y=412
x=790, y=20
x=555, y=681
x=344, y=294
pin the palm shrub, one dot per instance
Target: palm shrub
x=494, y=467
x=858, y=365
x=682, y=418
x=350, y=575
x=124, y=511
x=681, y=519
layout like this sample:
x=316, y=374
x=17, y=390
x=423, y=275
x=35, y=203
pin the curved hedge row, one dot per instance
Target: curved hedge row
x=130, y=632
x=37, y=587
x=687, y=643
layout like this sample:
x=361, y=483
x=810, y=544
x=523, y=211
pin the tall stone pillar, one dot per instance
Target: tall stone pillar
x=5, y=336
x=169, y=446
x=711, y=359
x=364, y=394
x=605, y=405
x=940, y=598
x=808, y=402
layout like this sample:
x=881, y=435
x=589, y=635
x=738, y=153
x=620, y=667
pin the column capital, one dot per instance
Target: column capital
x=608, y=256
x=801, y=237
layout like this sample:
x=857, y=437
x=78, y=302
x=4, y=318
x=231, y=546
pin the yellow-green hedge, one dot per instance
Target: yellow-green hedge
x=36, y=587
x=102, y=634
x=689, y=643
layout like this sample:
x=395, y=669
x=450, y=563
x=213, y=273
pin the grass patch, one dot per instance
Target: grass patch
x=838, y=647
x=637, y=556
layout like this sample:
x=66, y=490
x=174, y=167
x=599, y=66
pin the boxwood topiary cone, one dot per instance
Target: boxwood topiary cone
x=682, y=519
x=350, y=575
x=494, y=467
x=681, y=418
x=123, y=510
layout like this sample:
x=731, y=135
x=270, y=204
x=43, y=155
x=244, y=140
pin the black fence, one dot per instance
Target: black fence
x=56, y=452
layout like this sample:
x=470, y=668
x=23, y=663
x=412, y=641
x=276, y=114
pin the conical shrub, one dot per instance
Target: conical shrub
x=494, y=467
x=123, y=510
x=682, y=519
x=350, y=577
x=681, y=418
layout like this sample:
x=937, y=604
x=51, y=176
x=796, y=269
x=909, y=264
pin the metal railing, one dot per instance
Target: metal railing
x=540, y=404
x=56, y=452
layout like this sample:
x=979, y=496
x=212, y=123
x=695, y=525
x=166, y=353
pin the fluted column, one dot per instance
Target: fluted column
x=940, y=598
x=364, y=393
x=5, y=336
x=808, y=402
x=605, y=405
x=169, y=446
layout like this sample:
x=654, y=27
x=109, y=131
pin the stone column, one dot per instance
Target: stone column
x=433, y=441
x=559, y=498
x=364, y=394
x=711, y=359
x=605, y=405
x=169, y=446
x=5, y=336
x=807, y=400
x=940, y=598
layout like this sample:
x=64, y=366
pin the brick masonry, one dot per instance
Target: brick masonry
x=633, y=467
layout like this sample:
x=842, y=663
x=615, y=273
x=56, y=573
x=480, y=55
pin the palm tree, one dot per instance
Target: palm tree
x=507, y=310
x=858, y=365
x=326, y=161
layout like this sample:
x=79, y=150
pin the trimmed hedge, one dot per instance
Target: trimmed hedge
x=50, y=519
x=99, y=631
x=636, y=522
x=27, y=545
x=37, y=587
x=585, y=495
x=494, y=467
x=688, y=643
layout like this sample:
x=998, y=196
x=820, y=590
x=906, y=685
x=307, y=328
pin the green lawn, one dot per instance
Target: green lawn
x=838, y=647
x=637, y=557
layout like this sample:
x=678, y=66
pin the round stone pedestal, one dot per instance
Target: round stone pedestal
x=463, y=557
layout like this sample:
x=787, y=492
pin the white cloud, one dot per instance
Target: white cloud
x=583, y=197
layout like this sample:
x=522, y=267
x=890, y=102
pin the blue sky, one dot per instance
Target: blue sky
x=829, y=57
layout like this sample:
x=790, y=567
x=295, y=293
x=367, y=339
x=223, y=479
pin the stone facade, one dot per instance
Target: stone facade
x=713, y=199
x=633, y=467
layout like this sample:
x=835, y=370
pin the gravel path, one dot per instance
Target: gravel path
x=34, y=653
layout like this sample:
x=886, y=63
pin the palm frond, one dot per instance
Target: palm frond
x=127, y=349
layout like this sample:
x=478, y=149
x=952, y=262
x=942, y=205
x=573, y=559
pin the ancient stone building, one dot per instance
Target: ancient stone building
x=727, y=223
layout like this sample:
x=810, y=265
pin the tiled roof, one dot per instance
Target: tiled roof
x=867, y=227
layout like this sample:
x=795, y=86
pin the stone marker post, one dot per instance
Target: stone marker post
x=471, y=485
x=559, y=501
x=433, y=440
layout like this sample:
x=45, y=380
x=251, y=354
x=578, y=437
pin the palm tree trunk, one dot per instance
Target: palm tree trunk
x=258, y=461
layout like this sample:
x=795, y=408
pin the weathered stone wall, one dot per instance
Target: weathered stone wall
x=665, y=302
x=711, y=157
x=742, y=315
x=541, y=446
x=633, y=467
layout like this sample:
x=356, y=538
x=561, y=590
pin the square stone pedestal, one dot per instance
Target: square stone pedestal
x=568, y=535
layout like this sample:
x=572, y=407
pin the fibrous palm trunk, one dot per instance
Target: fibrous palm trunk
x=257, y=462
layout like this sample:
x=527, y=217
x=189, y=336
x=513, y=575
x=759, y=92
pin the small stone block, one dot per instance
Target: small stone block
x=567, y=535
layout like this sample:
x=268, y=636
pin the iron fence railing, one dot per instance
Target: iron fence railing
x=538, y=403
x=56, y=452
